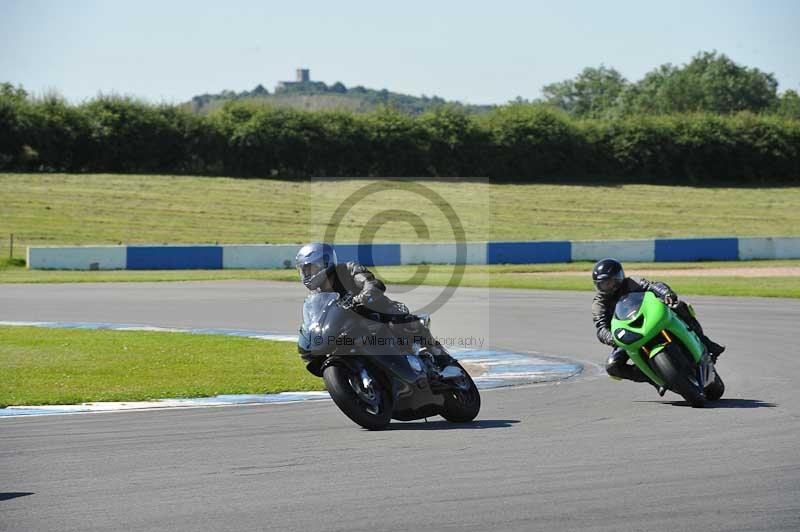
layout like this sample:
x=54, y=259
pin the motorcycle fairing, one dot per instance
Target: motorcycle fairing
x=410, y=389
x=643, y=325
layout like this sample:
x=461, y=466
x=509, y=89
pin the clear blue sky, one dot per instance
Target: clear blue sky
x=477, y=52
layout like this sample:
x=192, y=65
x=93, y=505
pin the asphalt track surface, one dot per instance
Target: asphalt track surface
x=586, y=454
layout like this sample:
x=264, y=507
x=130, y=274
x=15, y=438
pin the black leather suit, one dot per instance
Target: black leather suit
x=368, y=292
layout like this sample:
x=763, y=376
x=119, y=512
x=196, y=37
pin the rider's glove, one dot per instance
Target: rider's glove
x=347, y=301
x=358, y=299
x=671, y=299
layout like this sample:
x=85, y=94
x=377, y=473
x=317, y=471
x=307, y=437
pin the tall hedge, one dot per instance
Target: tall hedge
x=518, y=142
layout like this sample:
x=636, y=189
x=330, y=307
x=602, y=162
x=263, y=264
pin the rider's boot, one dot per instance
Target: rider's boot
x=714, y=349
x=618, y=369
x=441, y=356
x=445, y=364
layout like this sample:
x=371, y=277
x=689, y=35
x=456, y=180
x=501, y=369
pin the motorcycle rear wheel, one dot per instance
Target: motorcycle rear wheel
x=463, y=405
x=674, y=367
x=372, y=415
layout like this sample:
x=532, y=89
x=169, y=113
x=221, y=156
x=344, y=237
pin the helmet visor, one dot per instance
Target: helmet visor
x=310, y=269
x=313, y=274
x=608, y=285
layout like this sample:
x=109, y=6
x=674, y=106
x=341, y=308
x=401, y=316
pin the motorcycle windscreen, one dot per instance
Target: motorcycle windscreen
x=315, y=306
x=314, y=309
x=628, y=306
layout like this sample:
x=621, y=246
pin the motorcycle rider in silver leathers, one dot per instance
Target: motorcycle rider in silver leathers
x=320, y=271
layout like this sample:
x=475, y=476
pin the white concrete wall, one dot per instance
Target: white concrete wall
x=258, y=256
x=441, y=253
x=769, y=248
x=624, y=250
x=77, y=258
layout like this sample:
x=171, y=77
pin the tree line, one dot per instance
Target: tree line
x=585, y=131
x=710, y=82
x=319, y=95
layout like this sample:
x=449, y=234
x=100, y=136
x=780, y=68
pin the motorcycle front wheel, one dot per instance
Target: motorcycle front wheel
x=359, y=396
x=674, y=367
x=462, y=405
x=715, y=390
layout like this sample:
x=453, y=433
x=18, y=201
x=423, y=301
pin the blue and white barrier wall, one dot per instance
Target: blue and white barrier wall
x=257, y=256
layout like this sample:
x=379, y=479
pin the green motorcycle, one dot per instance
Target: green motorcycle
x=665, y=349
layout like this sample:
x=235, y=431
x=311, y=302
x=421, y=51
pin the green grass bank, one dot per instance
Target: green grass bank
x=69, y=209
x=64, y=366
x=704, y=279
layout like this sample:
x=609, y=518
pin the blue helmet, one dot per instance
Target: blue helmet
x=314, y=262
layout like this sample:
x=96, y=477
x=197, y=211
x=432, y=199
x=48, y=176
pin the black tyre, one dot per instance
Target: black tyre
x=368, y=404
x=715, y=390
x=678, y=372
x=463, y=405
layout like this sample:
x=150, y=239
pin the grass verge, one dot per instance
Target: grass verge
x=523, y=276
x=550, y=277
x=42, y=366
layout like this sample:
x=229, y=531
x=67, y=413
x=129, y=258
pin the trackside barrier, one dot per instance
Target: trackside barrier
x=624, y=250
x=693, y=249
x=528, y=252
x=769, y=248
x=78, y=258
x=257, y=256
x=369, y=254
x=174, y=257
x=474, y=253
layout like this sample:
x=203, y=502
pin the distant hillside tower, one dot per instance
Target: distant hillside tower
x=302, y=76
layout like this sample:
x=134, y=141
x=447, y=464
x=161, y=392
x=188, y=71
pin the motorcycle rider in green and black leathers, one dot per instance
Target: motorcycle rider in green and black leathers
x=611, y=284
x=320, y=271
